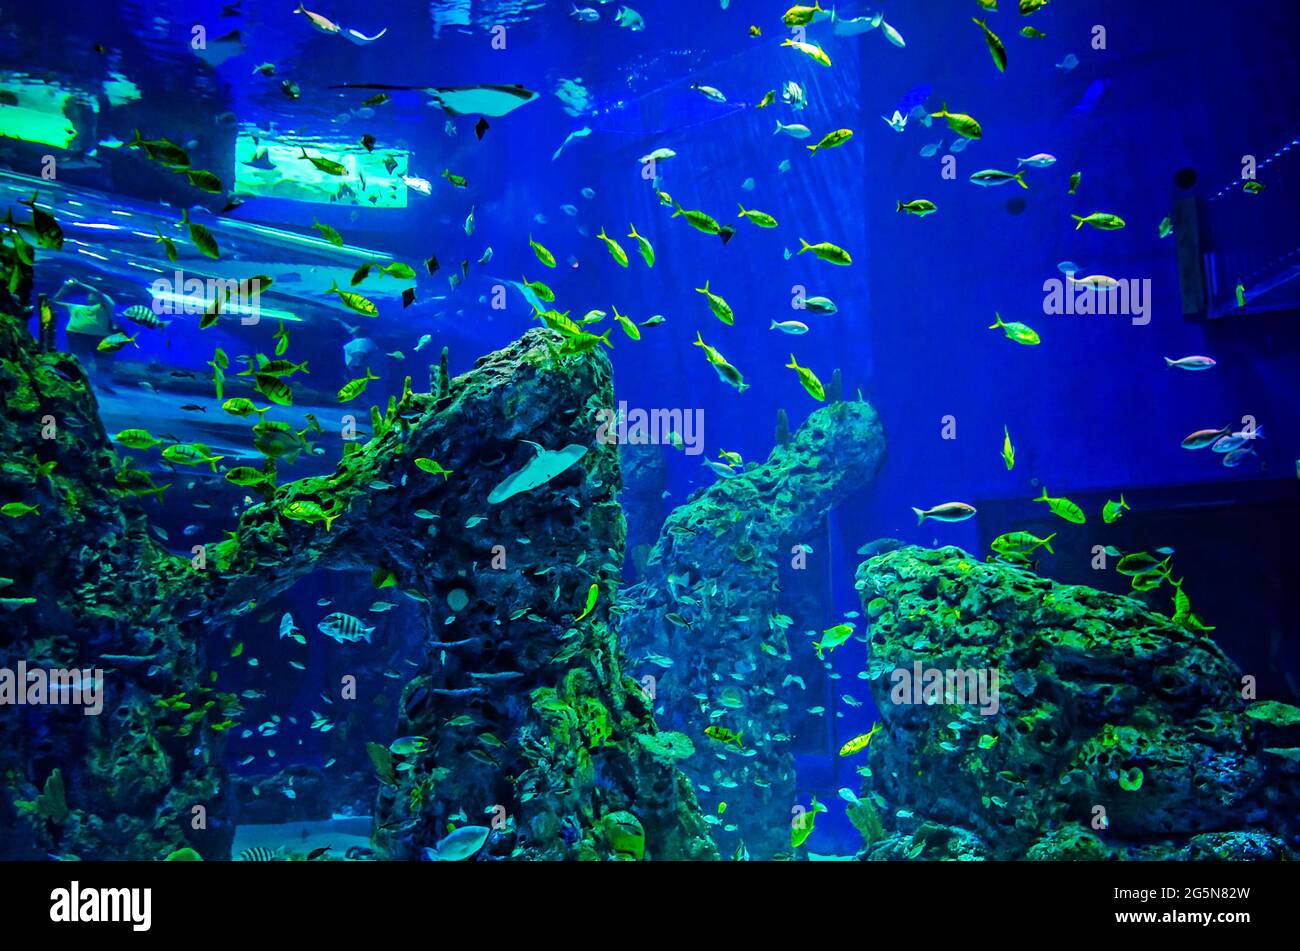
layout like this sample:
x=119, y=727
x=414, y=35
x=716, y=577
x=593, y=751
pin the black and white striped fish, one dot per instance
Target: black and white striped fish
x=345, y=628
x=258, y=854
x=145, y=317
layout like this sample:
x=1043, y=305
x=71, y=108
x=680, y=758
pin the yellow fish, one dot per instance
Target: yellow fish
x=860, y=742
x=724, y=736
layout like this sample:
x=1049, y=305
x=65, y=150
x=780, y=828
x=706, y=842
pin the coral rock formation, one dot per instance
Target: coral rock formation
x=711, y=601
x=522, y=700
x=1117, y=733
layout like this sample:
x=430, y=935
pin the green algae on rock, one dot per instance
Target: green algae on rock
x=1119, y=734
x=716, y=568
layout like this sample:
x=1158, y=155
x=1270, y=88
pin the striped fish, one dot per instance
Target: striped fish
x=345, y=628
x=274, y=389
x=258, y=854
x=145, y=317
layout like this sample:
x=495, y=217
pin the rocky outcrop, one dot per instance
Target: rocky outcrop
x=522, y=710
x=716, y=583
x=1110, y=732
x=81, y=592
x=521, y=717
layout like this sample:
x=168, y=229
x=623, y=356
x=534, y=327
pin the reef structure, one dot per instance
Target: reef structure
x=522, y=716
x=123, y=759
x=711, y=602
x=1110, y=732
x=523, y=712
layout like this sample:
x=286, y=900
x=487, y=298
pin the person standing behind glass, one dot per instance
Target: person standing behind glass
x=88, y=323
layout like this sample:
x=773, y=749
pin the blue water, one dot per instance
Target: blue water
x=1093, y=411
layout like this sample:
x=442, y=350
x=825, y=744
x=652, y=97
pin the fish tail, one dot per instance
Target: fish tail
x=1047, y=543
x=1020, y=177
x=602, y=234
x=773, y=327
x=678, y=207
x=793, y=364
x=633, y=233
x=1043, y=497
x=1122, y=503
x=999, y=322
x=900, y=207
x=806, y=245
x=329, y=523
x=778, y=127
x=135, y=142
x=699, y=340
x=704, y=289
x=742, y=210
x=920, y=515
x=301, y=9
x=605, y=337
x=212, y=461
x=1079, y=219
x=812, y=148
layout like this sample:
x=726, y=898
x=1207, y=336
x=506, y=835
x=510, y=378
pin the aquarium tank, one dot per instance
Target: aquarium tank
x=521, y=430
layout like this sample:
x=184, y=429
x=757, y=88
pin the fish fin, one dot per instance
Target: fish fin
x=999, y=323
x=1043, y=497
x=1078, y=219
x=1020, y=177
x=900, y=207
x=1047, y=543
x=806, y=245
x=793, y=364
x=920, y=515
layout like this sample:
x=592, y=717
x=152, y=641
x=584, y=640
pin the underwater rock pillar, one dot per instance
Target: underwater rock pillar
x=711, y=606
x=521, y=720
x=123, y=761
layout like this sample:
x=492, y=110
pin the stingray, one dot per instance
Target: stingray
x=327, y=26
x=481, y=100
x=542, y=468
x=261, y=160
